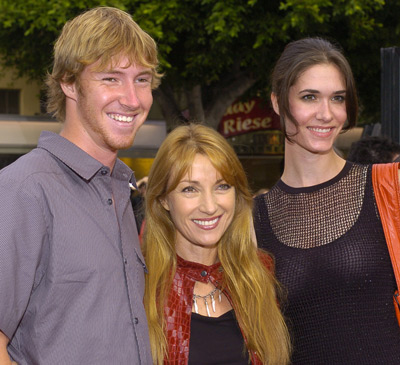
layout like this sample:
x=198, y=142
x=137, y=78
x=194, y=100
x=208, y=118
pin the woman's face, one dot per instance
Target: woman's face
x=318, y=103
x=202, y=207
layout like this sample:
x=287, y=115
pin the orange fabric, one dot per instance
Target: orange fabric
x=385, y=180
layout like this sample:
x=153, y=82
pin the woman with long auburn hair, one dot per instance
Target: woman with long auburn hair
x=210, y=293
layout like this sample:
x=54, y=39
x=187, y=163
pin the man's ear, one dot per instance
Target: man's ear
x=164, y=203
x=69, y=89
x=274, y=101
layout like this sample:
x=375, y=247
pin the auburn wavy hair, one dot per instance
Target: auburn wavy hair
x=252, y=287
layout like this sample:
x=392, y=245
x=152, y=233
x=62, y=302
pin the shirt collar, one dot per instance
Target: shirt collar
x=199, y=272
x=78, y=160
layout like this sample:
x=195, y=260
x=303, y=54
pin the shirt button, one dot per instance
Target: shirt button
x=109, y=201
x=125, y=261
x=203, y=273
x=104, y=172
x=136, y=320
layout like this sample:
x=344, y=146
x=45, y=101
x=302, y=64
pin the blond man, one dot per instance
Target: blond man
x=71, y=270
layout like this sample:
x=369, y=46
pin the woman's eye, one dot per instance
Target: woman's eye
x=110, y=79
x=339, y=98
x=224, y=187
x=188, y=189
x=308, y=97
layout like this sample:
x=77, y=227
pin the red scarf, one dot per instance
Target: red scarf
x=179, y=308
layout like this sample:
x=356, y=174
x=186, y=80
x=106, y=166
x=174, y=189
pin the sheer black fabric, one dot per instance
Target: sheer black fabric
x=216, y=341
x=332, y=258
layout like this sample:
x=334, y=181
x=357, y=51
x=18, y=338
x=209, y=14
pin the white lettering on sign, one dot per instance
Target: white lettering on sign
x=240, y=107
x=233, y=126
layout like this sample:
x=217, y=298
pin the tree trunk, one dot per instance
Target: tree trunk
x=165, y=98
x=225, y=96
x=195, y=104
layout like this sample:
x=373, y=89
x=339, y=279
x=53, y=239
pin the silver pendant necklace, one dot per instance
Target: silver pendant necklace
x=204, y=297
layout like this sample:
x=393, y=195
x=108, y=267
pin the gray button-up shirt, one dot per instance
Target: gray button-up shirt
x=71, y=270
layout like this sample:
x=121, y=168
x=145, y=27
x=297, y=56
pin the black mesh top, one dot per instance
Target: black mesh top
x=332, y=259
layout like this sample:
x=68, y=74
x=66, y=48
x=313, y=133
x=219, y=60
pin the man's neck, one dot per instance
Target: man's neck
x=80, y=139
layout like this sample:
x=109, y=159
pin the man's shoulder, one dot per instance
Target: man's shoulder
x=36, y=161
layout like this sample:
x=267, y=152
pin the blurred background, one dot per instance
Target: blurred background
x=216, y=56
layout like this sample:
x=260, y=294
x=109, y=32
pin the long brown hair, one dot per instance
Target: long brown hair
x=252, y=287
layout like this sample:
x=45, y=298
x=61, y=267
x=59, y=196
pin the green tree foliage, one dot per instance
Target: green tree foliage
x=214, y=51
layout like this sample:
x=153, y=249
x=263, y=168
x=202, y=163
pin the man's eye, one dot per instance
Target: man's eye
x=110, y=79
x=144, y=80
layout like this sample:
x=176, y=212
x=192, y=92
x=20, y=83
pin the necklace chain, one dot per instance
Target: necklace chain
x=204, y=297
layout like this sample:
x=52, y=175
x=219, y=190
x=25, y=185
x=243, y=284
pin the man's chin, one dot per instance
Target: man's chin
x=123, y=145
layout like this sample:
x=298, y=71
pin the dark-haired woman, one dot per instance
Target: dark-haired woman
x=320, y=220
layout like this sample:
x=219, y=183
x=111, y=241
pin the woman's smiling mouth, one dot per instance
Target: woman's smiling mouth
x=207, y=223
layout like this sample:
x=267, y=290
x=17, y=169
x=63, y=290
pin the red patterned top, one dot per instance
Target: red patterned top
x=179, y=308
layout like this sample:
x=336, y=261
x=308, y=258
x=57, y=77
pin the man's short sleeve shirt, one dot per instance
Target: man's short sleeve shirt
x=71, y=270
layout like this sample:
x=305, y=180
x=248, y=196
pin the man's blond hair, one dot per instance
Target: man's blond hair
x=101, y=34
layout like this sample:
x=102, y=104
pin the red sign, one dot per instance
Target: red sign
x=248, y=116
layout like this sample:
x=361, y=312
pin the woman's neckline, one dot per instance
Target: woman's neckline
x=307, y=189
x=227, y=315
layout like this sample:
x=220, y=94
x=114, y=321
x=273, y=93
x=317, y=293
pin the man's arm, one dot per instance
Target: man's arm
x=22, y=230
x=4, y=357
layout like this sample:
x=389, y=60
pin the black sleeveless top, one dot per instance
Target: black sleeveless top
x=331, y=256
x=216, y=340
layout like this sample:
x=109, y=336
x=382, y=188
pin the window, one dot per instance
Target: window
x=9, y=101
